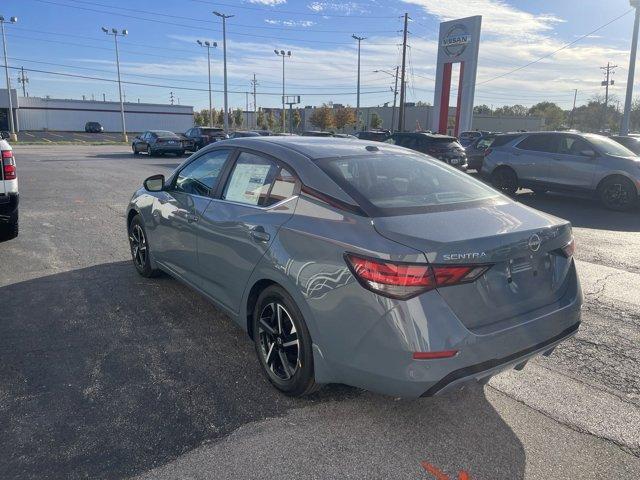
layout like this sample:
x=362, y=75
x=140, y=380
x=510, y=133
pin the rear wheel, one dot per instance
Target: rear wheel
x=505, y=180
x=9, y=230
x=283, y=343
x=618, y=193
x=150, y=152
x=135, y=150
x=140, y=248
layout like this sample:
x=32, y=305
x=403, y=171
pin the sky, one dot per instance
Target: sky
x=64, y=36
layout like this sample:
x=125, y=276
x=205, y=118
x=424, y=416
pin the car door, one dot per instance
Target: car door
x=531, y=157
x=573, y=165
x=238, y=228
x=178, y=209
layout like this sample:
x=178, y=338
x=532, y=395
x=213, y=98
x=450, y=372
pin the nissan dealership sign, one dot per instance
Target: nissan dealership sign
x=455, y=40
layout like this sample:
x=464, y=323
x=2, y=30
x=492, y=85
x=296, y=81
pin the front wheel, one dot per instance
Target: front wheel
x=618, y=193
x=283, y=343
x=150, y=152
x=140, y=248
x=135, y=150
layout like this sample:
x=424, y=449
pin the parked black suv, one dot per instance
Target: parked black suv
x=442, y=147
x=93, y=127
x=374, y=135
x=198, y=137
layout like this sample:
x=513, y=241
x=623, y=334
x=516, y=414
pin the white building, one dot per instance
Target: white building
x=36, y=113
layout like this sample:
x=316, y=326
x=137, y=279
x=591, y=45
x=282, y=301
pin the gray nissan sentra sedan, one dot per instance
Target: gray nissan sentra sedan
x=360, y=263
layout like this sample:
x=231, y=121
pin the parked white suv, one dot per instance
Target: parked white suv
x=8, y=192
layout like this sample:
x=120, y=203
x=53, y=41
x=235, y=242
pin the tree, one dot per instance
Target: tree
x=271, y=120
x=238, y=117
x=260, y=120
x=482, y=110
x=219, y=118
x=375, y=122
x=322, y=117
x=552, y=114
x=344, y=116
x=297, y=118
x=201, y=117
x=511, y=111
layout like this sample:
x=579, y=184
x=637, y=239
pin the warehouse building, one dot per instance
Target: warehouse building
x=36, y=113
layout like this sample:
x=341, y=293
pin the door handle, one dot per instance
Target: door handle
x=259, y=235
x=192, y=218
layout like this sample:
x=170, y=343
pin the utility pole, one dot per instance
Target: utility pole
x=395, y=94
x=115, y=33
x=291, y=100
x=359, y=39
x=402, y=78
x=254, y=83
x=208, y=45
x=575, y=94
x=224, y=56
x=246, y=99
x=624, y=127
x=171, y=97
x=104, y=97
x=23, y=79
x=282, y=54
x=12, y=128
x=605, y=83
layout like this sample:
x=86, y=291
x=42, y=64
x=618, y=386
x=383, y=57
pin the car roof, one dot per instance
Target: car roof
x=314, y=147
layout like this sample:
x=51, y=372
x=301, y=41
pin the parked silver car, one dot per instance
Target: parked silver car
x=360, y=263
x=569, y=162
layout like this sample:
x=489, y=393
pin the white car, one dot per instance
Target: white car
x=8, y=193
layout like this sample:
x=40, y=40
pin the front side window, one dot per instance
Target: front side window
x=397, y=184
x=256, y=180
x=201, y=176
x=573, y=145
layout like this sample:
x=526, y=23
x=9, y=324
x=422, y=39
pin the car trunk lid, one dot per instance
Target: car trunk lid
x=523, y=247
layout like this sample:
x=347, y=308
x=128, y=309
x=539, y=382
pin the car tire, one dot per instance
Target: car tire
x=618, y=193
x=140, y=256
x=135, y=150
x=10, y=230
x=277, y=324
x=505, y=180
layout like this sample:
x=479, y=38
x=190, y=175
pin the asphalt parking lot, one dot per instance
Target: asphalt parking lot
x=105, y=374
x=49, y=136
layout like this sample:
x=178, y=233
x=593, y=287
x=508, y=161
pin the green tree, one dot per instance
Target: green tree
x=322, y=117
x=344, y=117
x=238, y=117
x=482, y=110
x=220, y=118
x=297, y=118
x=375, y=121
x=271, y=120
x=553, y=115
x=260, y=120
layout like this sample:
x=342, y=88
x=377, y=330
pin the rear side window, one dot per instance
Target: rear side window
x=201, y=176
x=501, y=140
x=259, y=181
x=397, y=184
x=539, y=143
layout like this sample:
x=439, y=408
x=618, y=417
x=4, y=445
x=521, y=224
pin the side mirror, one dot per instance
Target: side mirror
x=155, y=183
x=588, y=153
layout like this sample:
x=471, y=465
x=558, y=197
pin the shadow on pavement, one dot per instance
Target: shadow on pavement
x=105, y=374
x=583, y=212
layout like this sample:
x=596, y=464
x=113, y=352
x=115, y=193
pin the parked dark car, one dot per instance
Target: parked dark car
x=631, y=142
x=93, y=127
x=263, y=133
x=199, y=137
x=316, y=133
x=467, y=138
x=158, y=142
x=475, y=151
x=242, y=134
x=442, y=147
x=374, y=135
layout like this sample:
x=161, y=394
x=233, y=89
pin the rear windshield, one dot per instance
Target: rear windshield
x=397, y=184
x=212, y=131
x=165, y=133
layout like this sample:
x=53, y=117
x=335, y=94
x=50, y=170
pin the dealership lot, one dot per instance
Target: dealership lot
x=105, y=374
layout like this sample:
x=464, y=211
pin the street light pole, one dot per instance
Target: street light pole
x=283, y=54
x=115, y=33
x=12, y=128
x=624, y=127
x=224, y=56
x=208, y=45
x=395, y=94
x=359, y=39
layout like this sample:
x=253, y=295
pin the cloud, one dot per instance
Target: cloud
x=270, y=3
x=345, y=8
x=290, y=23
x=498, y=17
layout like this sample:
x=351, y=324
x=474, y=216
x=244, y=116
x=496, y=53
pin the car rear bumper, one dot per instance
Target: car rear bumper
x=8, y=206
x=167, y=148
x=380, y=357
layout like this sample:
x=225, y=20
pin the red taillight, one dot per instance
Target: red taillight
x=569, y=249
x=434, y=355
x=406, y=280
x=8, y=165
